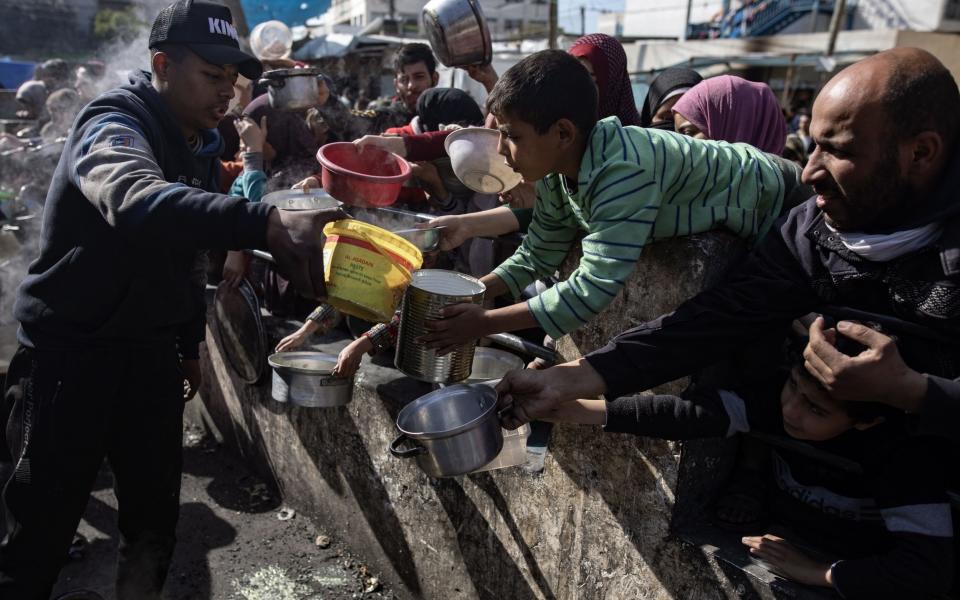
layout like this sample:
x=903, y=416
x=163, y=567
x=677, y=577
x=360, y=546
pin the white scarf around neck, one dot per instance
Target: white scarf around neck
x=888, y=246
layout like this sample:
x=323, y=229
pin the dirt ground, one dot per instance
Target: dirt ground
x=233, y=543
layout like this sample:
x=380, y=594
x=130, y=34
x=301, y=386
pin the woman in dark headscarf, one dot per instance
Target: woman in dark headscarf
x=665, y=89
x=447, y=106
x=604, y=57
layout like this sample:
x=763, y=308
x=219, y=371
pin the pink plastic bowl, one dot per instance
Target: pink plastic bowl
x=371, y=177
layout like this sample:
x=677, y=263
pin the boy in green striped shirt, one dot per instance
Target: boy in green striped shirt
x=620, y=186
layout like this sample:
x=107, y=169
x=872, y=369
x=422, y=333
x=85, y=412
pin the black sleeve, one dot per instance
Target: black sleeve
x=940, y=413
x=910, y=493
x=757, y=302
x=698, y=414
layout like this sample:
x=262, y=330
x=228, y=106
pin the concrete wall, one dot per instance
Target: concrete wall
x=594, y=524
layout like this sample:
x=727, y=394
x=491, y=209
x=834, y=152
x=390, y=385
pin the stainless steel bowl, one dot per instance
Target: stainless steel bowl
x=426, y=239
x=451, y=431
x=300, y=200
x=304, y=379
x=391, y=219
x=458, y=32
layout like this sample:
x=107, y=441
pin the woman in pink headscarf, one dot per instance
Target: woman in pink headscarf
x=732, y=109
x=604, y=57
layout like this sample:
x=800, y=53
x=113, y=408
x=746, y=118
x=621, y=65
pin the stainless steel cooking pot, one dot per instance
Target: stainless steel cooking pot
x=458, y=32
x=451, y=431
x=430, y=290
x=304, y=379
x=292, y=89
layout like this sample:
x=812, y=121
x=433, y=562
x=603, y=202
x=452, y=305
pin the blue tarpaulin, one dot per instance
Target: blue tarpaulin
x=14, y=72
x=291, y=12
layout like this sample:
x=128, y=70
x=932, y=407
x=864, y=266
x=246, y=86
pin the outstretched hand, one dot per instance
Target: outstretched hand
x=295, y=239
x=389, y=143
x=786, y=560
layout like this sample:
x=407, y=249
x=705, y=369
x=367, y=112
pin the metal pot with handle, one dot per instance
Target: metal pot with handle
x=458, y=32
x=305, y=379
x=292, y=89
x=452, y=431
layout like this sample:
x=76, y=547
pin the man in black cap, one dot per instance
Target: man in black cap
x=111, y=312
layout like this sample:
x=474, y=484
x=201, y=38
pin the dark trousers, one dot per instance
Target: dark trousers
x=65, y=411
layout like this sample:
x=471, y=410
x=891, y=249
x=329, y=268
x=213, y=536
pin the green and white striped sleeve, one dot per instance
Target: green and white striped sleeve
x=551, y=234
x=621, y=208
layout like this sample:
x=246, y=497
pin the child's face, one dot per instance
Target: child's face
x=533, y=155
x=808, y=411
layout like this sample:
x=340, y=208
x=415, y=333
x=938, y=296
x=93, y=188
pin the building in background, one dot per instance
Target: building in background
x=653, y=19
x=783, y=42
x=611, y=23
x=507, y=19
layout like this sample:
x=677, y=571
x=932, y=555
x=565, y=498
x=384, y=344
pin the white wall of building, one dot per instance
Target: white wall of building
x=611, y=23
x=665, y=18
x=506, y=18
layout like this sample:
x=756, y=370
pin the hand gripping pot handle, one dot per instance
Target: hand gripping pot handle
x=395, y=449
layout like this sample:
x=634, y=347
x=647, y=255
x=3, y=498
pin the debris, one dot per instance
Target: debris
x=270, y=583
x=322, y=541
x=373, y=585
x=193, y=435
x=286, y=514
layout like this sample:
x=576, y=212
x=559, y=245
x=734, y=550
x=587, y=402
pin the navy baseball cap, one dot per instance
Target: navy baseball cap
x=207, y=29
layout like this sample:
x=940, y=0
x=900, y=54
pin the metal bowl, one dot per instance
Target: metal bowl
x=300, y=200
x=426, y=239
x=458, y=32
x=391, y=219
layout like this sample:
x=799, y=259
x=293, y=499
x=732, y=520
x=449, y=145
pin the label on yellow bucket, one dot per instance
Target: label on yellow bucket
x=367, y=269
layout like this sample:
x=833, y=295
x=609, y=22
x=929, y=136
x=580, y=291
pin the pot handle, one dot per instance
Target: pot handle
x=409, y=452
x=277, y=83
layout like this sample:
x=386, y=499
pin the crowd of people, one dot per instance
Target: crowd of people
x=849, y=291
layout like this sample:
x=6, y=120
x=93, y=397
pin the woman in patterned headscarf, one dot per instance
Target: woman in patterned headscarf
x=604, y=57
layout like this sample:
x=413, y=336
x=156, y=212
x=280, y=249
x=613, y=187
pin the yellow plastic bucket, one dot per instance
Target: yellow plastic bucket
x=367, y=269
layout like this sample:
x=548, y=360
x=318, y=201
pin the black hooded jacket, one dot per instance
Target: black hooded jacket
x=129, y=207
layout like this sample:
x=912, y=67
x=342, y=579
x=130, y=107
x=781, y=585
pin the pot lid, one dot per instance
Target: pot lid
x=447, y=411
x=296, y=72
x=242, y=337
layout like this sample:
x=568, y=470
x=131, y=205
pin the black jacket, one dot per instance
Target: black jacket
x=128, y=210
x=802, y=267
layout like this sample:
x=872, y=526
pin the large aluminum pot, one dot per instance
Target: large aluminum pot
x=451, y=431
x=304, y=379
x=292, y=89
x=458, y=32
x=430, y=290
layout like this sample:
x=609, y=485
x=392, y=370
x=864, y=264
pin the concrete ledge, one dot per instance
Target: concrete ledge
x=595, y=523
